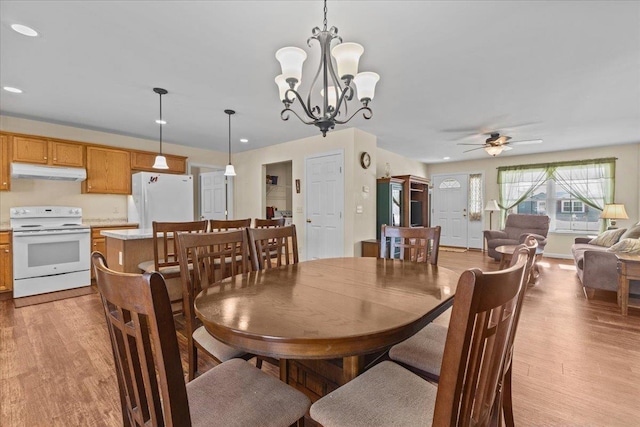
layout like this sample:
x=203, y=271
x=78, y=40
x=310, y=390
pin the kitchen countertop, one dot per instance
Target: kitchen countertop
x=129, y=234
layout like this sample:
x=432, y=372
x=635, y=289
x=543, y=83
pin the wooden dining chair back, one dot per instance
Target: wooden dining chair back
x=214, y=256
x=477, y=344
x=145, y=347
x=273, y=247
x=418, y=244
x=266, y=223
x=165, y=255
x=229, y=224
x=152, y=389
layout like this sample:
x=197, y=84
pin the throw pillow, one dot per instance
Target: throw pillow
x=632, y=233
x=608, y=238
x=626, y=246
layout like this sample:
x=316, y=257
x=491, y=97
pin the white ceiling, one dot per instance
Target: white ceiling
x=568, y=69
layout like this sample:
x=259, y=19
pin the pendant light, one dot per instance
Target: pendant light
x=229, y=170
x=161, y=161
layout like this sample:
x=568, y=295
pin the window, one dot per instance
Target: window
x=572, y=194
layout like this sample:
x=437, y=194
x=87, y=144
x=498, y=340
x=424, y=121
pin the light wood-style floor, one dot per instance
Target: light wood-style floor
x=577, y=362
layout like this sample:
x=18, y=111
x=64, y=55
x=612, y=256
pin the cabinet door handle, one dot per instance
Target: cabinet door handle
x=6, y=251
x=45, y=158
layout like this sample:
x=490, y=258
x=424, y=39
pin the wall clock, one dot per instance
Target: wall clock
x=365, y=160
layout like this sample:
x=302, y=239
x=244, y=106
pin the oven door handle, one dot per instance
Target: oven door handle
x=49, y=233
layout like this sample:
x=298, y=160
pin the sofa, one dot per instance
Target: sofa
x=517, y=227
x=597, y=264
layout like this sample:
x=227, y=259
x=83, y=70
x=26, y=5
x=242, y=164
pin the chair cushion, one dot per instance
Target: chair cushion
x=626, y=246
x=147, y=266
x=216, y=348
x=632, y=233
x=235, y=393
x=608, y=238
x=385, y=395
x=424, y=350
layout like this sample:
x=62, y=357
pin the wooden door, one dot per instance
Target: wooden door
x=30, y=150
x=108, y=171
x=325, y=206
x=5, y=164
x=66, y=154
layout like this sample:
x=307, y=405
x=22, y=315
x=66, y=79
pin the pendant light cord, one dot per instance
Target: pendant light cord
x=160, y=123
x=229, y=138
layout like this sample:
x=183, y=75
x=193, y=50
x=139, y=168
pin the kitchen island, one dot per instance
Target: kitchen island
x=125, y=249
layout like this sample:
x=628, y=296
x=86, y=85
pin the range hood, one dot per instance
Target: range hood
x=29, y=171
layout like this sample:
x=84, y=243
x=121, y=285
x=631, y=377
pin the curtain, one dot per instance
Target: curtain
x=475, y=197
x=516, y=185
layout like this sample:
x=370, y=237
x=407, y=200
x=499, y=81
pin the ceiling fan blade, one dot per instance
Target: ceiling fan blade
x=527, y=142
x=473, y=149
x=469, y=143
x=506, y=148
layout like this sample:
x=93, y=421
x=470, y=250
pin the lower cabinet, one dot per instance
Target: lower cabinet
x=98, y=240
x=6, y=265
x=371, y=248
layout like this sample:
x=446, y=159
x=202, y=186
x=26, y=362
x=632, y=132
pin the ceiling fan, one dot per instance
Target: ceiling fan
x=497, y=143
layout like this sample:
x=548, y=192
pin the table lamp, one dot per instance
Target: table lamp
x=492, y=206
x=614, y=211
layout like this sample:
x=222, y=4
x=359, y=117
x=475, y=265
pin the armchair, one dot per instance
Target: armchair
x=515, y=231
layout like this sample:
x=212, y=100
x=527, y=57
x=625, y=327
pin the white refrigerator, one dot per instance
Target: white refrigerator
x=160, y=197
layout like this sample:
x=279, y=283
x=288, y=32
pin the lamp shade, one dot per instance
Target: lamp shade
x=614, y=211
x=229, y=171
x=492, y=205
x=160, y=163
x=347, y=56
x=366, y=85
x=494, y=150
x=291, y=59
x=283, y=86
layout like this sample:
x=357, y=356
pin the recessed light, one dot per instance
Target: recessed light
x=12, y=89
x=245, y=140
x=161, y=122
x=24, y=30
x=446, y=158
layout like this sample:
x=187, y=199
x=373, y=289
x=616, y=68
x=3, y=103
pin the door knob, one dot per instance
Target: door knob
x=308, y=220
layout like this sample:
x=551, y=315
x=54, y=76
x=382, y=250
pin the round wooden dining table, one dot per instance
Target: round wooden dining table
x=326, y=308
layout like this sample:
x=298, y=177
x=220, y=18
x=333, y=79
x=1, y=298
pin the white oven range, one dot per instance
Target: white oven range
x=51, y=249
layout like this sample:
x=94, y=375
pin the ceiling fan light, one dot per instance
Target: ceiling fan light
x=229, y=170
x=161, y=162
x=347, y=57
x=493, y=150
x=291, y=59
x=366, y=85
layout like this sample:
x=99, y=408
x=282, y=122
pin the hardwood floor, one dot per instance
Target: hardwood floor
x=576, y=363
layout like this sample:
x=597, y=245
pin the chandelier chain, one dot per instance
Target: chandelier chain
x=325, y=15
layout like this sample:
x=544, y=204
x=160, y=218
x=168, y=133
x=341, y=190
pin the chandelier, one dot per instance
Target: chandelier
x=336, y=87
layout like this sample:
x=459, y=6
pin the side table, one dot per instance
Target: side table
x=628, y=269
x=507, y=253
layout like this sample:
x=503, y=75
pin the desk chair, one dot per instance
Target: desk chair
x=165, y=256
x=475, y=350
x=417, y=244
x=150, y=378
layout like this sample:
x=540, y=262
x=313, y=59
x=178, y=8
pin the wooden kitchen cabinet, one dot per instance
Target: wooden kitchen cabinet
x=6, y=264
x=143, y=161
x=5, y=164
x=108, y=171
x=98, y=241
x=47, y=152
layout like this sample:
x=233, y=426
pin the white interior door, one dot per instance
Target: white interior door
x=449, y=197
x=325, y=206
x=212, y=195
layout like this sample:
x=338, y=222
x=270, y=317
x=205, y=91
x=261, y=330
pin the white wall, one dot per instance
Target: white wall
x=399, y=165
x=559, y=244
x=96, y=207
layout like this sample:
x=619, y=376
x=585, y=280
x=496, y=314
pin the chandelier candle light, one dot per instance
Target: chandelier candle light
x=161, y=161
x=229, y=170
x=336, y=88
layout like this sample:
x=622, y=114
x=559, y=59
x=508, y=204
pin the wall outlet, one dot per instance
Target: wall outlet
x=359, y=209
x=120, y=258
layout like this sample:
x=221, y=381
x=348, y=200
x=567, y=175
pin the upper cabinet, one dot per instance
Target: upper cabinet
x=108, y=171
x=5, y=163
x=47, y=152
x=143, y=161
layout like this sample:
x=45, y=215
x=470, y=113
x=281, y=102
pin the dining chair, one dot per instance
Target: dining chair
x=475, y=350
x=419, y=244
x=149, y=371
x=214, y=256
x=228, y=224
x=165, y=256
x=273, y=247
x=423, y=352
x=266, y=223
